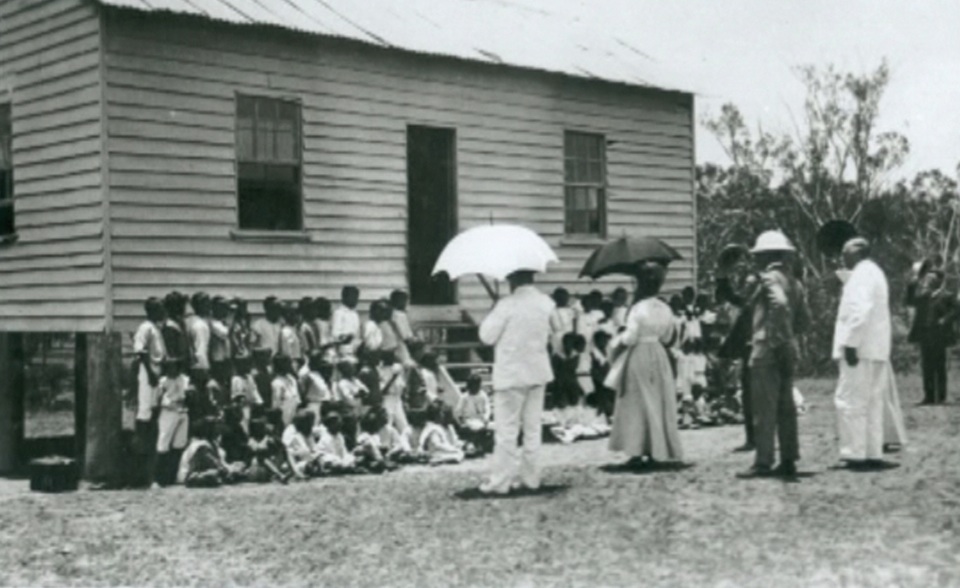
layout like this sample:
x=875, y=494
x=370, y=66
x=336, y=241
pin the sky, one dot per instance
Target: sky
x=744, y=52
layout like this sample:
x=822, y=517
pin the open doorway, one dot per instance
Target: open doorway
x=431, y=211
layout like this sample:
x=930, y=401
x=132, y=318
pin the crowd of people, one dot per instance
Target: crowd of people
x=305, y=390
x=310, y=390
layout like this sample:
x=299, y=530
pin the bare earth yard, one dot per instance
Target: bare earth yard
x=693, y=527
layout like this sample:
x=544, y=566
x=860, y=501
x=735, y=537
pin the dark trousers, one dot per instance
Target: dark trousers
x=933, y=360
x=775, y=414
x=746, y=401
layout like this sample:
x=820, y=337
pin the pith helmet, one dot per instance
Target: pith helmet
x=772, y=241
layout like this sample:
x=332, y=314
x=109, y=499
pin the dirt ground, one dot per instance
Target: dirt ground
x=697, y=526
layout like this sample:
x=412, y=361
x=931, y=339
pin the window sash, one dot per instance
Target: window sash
x=269, y=164
x=584, y=184
x=268, y=130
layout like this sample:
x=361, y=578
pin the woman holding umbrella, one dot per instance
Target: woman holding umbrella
x=645, y=416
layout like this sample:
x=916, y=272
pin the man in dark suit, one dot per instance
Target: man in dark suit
x=933, y=330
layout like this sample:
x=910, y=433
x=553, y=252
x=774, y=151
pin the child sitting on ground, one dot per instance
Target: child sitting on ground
x=235, y=442
x=435, y=440
x=284, y=388
x=304, y=458
x=473, y=415
x=332, y=446
x=268, y=459
x=369, y=452
x=203, y=464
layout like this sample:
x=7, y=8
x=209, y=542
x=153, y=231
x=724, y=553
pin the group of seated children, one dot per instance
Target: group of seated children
x=293, y=401
x=578, y=404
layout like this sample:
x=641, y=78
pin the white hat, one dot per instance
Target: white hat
x=772, y=241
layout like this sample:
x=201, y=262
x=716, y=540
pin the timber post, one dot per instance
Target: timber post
x=12, y=413
x=104, y=409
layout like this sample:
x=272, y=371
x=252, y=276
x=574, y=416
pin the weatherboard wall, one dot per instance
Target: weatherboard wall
x=170, y=87
x=52, y=276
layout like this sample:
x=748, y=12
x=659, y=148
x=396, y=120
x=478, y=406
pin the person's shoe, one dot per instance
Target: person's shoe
x=745, y=448
x=756, y=472
x=155, y=486
x=786, y=469
x=892, y=447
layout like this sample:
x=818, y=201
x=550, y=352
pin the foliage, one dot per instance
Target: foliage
x=836, y=165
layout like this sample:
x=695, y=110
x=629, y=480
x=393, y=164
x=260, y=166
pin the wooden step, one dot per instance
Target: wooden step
x=420, y=315
x=464, y=345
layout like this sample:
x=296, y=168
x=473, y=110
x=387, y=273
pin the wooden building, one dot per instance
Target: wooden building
x=225, y=146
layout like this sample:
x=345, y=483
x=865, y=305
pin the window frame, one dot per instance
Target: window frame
x=6, y=123
x=261, y=234
x=601, y=186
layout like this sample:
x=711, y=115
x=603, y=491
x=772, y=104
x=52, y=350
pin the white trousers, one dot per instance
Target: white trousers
x=861, y=392
x=515, y=409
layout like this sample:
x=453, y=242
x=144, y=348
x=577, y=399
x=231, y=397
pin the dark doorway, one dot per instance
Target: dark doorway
x=431, y=211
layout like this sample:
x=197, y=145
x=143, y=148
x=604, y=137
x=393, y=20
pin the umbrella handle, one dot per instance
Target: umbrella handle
x=486, y=285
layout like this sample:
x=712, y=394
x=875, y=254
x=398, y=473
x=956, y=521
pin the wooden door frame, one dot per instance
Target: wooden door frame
x=453, y=221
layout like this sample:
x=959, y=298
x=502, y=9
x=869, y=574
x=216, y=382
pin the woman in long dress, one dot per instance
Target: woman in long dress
x=645, y=417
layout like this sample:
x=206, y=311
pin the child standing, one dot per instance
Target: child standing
x=240, y=333
x=289, y=337
x=313, y=385
x=345, y=326
x=198, y=330
x=603, y=397
x=323, y=313
x=265, y=332
x=150, y=351
x=307, y=330
x=220, y=353
x=392, y=385
x=398, y=302
x=285, y=391
x=173, y=422
x=243, y=389
x=562, y=320
x=620, y=308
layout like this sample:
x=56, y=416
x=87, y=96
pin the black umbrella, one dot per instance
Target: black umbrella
x=833, y=235
x=622, y=255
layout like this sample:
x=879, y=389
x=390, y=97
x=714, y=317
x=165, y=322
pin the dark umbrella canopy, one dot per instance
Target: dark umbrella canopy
x=622, y=255
x=833, y=235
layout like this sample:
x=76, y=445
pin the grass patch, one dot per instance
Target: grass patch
x=696, y=526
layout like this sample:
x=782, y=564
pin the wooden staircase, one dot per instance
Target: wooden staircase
x=453, y=336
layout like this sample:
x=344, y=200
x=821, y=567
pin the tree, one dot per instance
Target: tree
x=836, y=164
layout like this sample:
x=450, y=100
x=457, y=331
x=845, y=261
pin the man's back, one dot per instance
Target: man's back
x=519, y=328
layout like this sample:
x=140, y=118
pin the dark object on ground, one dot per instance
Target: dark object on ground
x=54, y=474
x=543, y=490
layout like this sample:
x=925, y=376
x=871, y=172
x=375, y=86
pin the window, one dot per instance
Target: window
x=268, y=164
x=7, y=227
x=585, y=181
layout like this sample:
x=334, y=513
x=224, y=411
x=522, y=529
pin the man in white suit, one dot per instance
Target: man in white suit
x=861, y=345
x=519, y=328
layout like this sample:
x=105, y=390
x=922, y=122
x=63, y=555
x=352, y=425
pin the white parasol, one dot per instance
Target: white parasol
x=494, y=251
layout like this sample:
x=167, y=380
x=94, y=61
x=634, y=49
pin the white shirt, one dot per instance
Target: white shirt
x=863, y=321
x=346, y=321
x=519, y=328
x=199, y=331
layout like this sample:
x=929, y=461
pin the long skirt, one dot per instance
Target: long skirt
x=645, y=416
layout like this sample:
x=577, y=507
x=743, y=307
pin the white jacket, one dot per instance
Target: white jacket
x=519, y=328
x=863, y=321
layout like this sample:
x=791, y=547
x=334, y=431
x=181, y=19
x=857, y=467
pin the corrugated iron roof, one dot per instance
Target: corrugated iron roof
x=491, y=31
